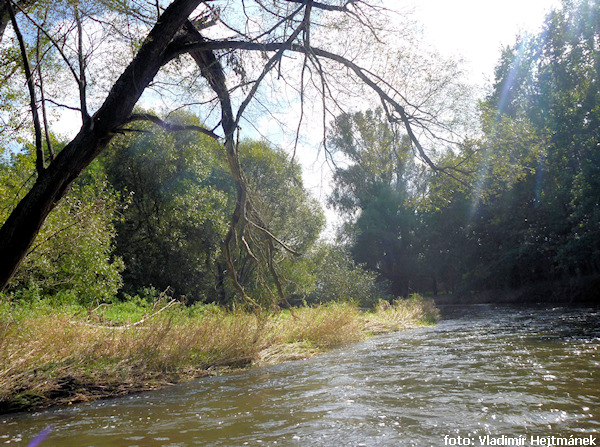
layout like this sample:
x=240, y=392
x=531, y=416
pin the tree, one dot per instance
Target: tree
x=181, y=195
x=375, y=189
x=53, y=181
x=171, y=231
x=336, y=277
x=551, y=81
x=286, y=208
x=529, y=216
x=170, y=39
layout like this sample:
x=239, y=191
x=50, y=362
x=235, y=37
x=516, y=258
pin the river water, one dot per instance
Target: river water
x=482, y=370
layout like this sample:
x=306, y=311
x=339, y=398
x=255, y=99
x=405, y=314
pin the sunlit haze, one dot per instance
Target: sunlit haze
x=472, y=30
x=476, y=30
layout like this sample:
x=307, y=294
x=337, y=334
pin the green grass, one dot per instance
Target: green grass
x=67, y=353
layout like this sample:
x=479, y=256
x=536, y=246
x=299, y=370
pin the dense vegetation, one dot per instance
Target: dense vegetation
x=150, y=216
x=516, y=206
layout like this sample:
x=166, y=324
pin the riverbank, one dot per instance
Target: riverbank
x=62, y=355
x=583, y=290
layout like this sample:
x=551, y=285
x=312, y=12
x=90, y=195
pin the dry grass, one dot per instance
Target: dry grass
x=52, y=357
x=402, y=314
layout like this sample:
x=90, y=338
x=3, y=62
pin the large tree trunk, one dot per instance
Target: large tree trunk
x=21, y=228
x=4, y=17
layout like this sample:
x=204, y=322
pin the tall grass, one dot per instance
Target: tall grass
x=402, y=314
x=70, y=354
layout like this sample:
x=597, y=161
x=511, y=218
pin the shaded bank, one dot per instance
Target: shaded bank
x=51, y=356
x=583, y=290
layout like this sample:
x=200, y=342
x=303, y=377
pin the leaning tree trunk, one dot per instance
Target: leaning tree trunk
x=22, y=226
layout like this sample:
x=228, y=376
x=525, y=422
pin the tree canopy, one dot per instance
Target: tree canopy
x=520, y=207
x=99, y=58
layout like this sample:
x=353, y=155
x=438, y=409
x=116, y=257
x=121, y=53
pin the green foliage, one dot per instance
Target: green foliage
x=385, y=239
x=547, y=223
x=373, y=153
x=376, y=190
x=288, y=211
x=531, y=213
x=338, y=278
x=521, y=203
x=72, y=258
x=279, y=196
x=171, y=231
x=181, y=198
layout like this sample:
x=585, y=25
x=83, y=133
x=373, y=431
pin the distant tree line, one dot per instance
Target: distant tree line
x=522, y=204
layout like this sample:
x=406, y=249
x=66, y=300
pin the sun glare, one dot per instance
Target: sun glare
x=476, y=30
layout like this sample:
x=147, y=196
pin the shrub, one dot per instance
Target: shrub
x=338, y=278
x=72, y=256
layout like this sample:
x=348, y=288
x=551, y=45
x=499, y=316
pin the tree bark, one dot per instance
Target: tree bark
x=4, y=17
x=22, y=226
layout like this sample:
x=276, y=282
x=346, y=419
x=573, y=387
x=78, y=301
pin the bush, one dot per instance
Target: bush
x=72, y=256
x=338, y=278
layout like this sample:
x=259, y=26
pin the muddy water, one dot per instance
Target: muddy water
x=482, y=371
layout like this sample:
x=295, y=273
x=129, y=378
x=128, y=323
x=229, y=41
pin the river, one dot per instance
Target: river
x=483, y=370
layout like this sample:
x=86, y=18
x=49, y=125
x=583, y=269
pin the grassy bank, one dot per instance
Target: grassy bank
x=64, y=354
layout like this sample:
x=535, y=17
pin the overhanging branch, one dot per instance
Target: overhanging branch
x=326, y=7
x=169, y=127
x=358, y=71
x=39, y=151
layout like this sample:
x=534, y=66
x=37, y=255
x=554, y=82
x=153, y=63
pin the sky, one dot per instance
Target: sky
x=477, y=29
x=472, y=29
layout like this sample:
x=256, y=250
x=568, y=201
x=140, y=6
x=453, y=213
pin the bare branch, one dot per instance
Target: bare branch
x=271, y=63
x=170, y=127
x=64, y=106
x=272, y=236
x=43, y=101
x=23, y=224
x=39, y=151
x=51, y=39
x=358, y=71
x=81, y=80
x=325, y=6
x=5, y=15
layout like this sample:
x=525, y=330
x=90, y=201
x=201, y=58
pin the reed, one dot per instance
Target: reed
x=65, y=354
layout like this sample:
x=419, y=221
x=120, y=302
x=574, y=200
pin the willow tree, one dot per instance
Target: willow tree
x=228, y=58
